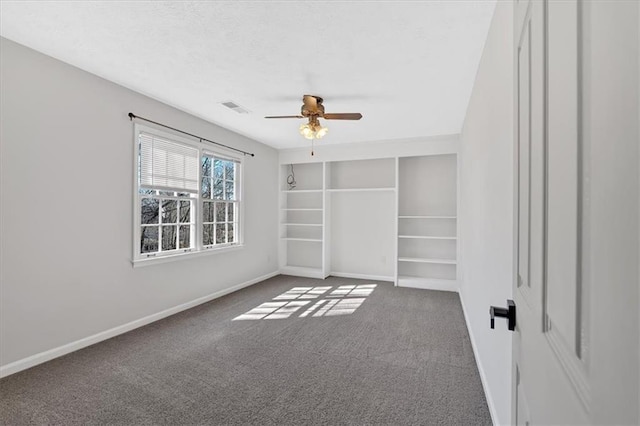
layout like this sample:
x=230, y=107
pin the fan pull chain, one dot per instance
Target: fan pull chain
x=312, y=140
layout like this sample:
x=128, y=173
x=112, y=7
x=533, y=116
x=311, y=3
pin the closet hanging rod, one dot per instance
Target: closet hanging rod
x=132, y=116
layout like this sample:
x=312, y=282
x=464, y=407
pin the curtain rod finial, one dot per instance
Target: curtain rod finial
x=131, y=116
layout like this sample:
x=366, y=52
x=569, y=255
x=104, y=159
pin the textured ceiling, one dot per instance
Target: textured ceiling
x=408, y=67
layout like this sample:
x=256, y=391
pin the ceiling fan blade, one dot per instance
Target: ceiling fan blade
x=284, y=116
x=343, y=116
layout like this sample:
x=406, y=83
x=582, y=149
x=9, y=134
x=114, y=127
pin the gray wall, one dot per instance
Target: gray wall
x=66, y=229
x=486, y=210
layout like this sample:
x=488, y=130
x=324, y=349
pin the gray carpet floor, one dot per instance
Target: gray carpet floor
x=295, y=354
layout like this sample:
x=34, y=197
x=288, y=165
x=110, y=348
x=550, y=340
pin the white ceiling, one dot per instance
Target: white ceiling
x=407, y=66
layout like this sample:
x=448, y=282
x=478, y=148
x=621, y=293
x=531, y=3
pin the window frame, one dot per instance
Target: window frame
x=198, y=249
x=236, y=201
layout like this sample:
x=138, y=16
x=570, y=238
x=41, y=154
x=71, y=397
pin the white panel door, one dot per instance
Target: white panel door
x=556, y=357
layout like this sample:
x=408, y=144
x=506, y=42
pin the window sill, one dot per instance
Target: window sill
x=182, y=256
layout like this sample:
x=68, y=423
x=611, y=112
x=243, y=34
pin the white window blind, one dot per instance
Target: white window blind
x=167, y=165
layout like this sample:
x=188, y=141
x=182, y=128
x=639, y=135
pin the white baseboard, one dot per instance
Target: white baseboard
x=428, y=283
x=483, y=378
x=299, y=271
x=33, y=360
x=361, y=276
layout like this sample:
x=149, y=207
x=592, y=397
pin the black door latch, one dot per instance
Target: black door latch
x=509, y=313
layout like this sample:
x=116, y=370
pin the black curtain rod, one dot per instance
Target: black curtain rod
x=132, y=116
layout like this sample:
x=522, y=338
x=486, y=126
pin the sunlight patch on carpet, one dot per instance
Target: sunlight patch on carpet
x=344, y=300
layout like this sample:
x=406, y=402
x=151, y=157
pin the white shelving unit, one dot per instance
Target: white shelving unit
x=302, y=220
x=363, y=211
x=390, y=219
x=427, y=222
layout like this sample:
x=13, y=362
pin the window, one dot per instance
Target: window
x=219, y=201
x=187, y=196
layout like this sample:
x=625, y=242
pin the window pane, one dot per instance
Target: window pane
x=229, y=191
x=169, y=237
x=220, y=233
x=149, y=210
x=218, y=169
x=207, y=235
x=185, y=211
x=230, y=233
x=230, y=208
x=207, y=215
x=185, y=236
x=206, y=166
x=229, y=170
x=205, y=188
x=221, y=212
x=218, y=189
x=143, y=191
x=149, y=239
x=169, y=211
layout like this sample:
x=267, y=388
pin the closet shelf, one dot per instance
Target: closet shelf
x=303, y=210
x=314, y=240
x=425, y=260
x=291, y=191
x=412, y=277
x=362, y=189
x=427, y=217
x=426, y=237
x=302, y=224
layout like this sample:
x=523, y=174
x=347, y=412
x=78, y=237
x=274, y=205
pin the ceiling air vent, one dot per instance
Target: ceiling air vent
x=235, y=107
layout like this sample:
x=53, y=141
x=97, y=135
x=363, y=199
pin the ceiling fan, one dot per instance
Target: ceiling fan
x=313, y=109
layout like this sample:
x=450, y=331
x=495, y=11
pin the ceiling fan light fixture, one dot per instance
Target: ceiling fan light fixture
x=307, y=131
x=321, y=132
x=313, y=130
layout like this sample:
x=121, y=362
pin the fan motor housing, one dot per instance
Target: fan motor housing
x=318, y=111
